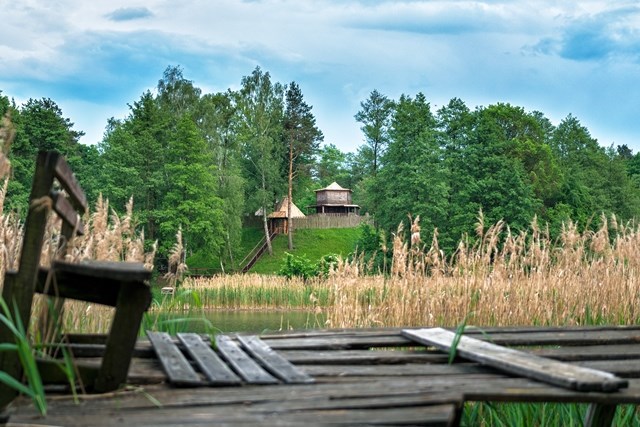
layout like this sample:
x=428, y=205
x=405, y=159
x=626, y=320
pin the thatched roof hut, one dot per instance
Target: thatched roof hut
x=334, y=199
x=282, y=210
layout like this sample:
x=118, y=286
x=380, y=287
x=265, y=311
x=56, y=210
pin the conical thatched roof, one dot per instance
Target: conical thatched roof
x=281, y=210
x=333, y=186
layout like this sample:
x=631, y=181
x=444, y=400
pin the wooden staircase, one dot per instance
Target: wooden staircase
x=256, y=253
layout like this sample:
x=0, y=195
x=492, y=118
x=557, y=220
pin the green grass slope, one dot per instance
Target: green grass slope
x=310, y=243
x=250, y=237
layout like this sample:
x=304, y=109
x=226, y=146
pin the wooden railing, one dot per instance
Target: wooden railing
x=256, y=253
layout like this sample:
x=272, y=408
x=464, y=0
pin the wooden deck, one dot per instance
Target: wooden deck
x=348, y=377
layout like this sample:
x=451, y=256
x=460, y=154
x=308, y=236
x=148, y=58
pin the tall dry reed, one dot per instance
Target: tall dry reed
x=108, y=236
x=503, y=278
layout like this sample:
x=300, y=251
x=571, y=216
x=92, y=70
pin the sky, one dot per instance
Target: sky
x=93, y=58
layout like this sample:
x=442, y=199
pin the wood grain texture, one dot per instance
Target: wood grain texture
x=244, y=365
x=520, y=363
x=176, y=366
x=214, y=369
x=273, y=362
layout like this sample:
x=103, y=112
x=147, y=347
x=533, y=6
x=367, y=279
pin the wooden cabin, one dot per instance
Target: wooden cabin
x=278, y=218
x=334, y=200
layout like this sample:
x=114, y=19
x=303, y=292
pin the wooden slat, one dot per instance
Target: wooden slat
x=230, y=415
x=363, y=357
x=246, y=367
x=273, y=362
x=561, y=338
x=410, y=370
x=51, y=373
x=338, y=342
x=593, y=352
x=519, y=363
x=69, y=182
x=72, y=284
x=114, y=270
x=213, y=368
x=623, y=368
x=97, y=350
x=63, y=208
x=175, y=365
x=470, y=330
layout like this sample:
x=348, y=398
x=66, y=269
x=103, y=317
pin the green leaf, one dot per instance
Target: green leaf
x=16, y=385
x=8, y=347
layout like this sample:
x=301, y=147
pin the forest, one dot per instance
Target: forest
x=205, y=162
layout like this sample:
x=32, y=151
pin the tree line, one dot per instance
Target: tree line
x=204, y=162
x=451, y=164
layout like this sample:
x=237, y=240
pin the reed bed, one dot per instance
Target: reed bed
x=108, y=236
x=501, y=279
x=253, y=292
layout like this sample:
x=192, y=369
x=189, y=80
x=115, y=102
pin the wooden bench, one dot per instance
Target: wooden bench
x=122, y=285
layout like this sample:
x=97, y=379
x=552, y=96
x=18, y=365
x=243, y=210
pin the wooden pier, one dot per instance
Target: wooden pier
x=350, y=377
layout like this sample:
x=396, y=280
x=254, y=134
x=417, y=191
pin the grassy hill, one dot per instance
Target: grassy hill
x=250, y=237
x=310, y=243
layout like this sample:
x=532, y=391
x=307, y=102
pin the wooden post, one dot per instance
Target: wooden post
x=18, y=292
x=133, y=300
x=600, y=415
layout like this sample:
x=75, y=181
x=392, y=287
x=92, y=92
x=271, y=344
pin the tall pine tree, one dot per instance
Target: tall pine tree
x=302, y=138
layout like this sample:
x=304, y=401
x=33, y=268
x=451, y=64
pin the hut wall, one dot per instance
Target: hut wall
x=333, y=197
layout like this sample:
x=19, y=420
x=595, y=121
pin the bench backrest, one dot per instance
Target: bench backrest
x=51, y=167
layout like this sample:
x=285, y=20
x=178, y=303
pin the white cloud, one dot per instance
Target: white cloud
x=129, y=14
x=565, y=57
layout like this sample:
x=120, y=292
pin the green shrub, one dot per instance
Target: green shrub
x=325, y=264
x=299, y=266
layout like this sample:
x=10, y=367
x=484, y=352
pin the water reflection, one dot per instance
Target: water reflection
x=244, y=321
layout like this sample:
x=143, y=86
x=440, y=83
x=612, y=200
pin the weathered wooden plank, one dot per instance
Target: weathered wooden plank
x=71, y=283
x=175, y=365
x=473, y=388
x=369, y=357
x=74, y=286
x=519, y=363
x=432, y=415
x=594, y=352
x=273, y=362
x=65, y=210
x=244, y=365
x=51, y=372
x=339, y=343
x=80, y=338
x=622, y=368
x=125, y=272
x=408, y=370
x=141, y=350
x=469, y=330
x=561, y=338
x=436, y=415
x=68, y=181
x=214, y=369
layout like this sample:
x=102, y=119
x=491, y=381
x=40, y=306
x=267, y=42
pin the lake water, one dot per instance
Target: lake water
x=246, y=321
